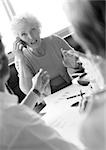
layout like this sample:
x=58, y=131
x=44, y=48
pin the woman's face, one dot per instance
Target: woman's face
x=29, y=34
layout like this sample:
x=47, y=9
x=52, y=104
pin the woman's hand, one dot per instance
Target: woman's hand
x=18, y=49
x=70, y=59
x=47, y=90
x=40, y=81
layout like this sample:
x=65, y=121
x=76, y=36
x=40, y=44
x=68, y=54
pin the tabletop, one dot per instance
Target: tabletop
x=60, y=114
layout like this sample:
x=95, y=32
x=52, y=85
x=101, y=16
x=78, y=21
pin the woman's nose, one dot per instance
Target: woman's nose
x=78, y=62
x=30, y=36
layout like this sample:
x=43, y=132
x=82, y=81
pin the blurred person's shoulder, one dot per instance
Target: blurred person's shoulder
x=22, y=115
x=100, y=99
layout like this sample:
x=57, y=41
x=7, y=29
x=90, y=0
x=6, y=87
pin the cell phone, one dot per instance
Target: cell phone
x=22, y=42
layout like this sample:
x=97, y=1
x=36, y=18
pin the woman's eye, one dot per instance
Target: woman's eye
x=24, y=34
x=33, y=29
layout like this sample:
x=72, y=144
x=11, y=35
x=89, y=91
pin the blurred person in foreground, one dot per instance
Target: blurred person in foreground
x=87, y=18
x=20, y=127
x=33, y=52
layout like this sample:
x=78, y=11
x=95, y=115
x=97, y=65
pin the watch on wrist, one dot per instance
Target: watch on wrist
x=37, y=92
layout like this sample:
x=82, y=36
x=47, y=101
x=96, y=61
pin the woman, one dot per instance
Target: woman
x=33, y=52
x=88, y=20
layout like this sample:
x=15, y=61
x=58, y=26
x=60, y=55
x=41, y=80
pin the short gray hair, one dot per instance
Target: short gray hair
x=25, y=18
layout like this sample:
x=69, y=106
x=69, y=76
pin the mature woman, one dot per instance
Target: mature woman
x=33, y=52
x=88, y=20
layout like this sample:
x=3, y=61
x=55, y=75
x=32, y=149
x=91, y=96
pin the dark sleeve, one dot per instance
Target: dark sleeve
x=62, y=43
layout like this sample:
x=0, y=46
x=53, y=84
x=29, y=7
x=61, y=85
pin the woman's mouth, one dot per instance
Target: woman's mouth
x=34, y=42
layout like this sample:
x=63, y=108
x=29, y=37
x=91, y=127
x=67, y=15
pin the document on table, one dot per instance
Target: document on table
x=66, y=97
x=66, y=122
x=60, y=115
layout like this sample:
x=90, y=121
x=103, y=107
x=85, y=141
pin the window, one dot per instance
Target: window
x=5, y=29
x=49, y=13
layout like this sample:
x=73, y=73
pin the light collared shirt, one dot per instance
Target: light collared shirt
x=22, y=129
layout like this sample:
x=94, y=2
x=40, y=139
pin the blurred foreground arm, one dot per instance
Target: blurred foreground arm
x=39, y=82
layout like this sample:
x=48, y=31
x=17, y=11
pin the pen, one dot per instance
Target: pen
x=75, y=104
x=75, y=96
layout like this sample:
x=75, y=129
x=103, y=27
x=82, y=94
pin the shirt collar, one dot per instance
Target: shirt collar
x=7, y=100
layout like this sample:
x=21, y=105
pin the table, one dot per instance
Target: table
x=60, y=115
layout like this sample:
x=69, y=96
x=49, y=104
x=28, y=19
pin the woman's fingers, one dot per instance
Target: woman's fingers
x=18, y=49
x=18, y=45
x=46, y=79
x=38, y=75
x=44, y=76
x=40, y=80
